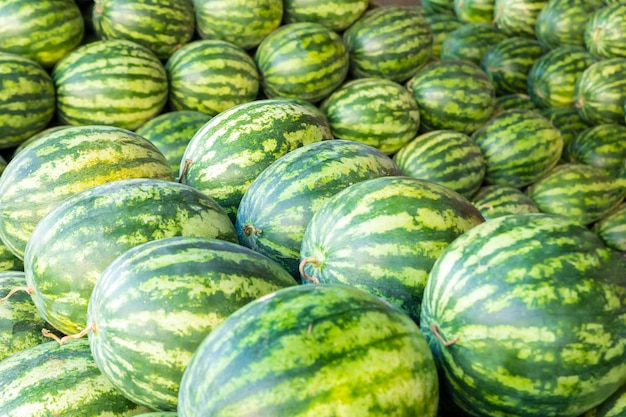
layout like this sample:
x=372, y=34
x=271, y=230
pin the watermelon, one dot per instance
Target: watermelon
x=605, y=32
x=171, y=133
x=389, y=42
x=446, y=157
x=524, y=316
x=277, y=207
x=303, y=60
x=517, y=17
x=44, y=31
x=519, y=146
x=114, y=82
x=470, y=42
x=162, y=26
x=600, y=92
x=233, y=148
x=474, y=11
x=559, y=23
x=582, y=193
x=375, y=111
x=383, y=235
x=79, y=237
x=513, y=101
x=63, y=163
x=53, y=380
x=603, y=146
x=211, y=76
x=242, y=22
x=36, y=137
x=453, y=95
x=552, y=78
x=27, y=102
x=8, y=261
x=335, y=15
x=508, y=62
x=167, y=295
x=440, y=26
x=438, y=7
x=567, y=120
x=614, y=406
x=312, y=350
x=612, y=228
x=500, y=200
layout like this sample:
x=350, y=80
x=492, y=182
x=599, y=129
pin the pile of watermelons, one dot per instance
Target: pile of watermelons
x=321, y=208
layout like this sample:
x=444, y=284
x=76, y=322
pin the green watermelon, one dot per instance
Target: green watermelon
x=233, y=148
x=162, y=26
x=612, y=228
x=166, y=296
x=27, y=102
x=314, y=351
x=512, y=102
x=440, y=26
x=600, y=92
x=438, y=7
x=383, y=235
x=517, y=17
x=474, y=11
x=303, y=60
x=277, y=207
x=508, y=62
x=552, y=78
x=559, y=23
x=603, y=146
x=44, y=31
x=500, y=200
x=614, y=406
x=335, y=15
x=519, y=147
x=115, y=82
x=446, y=157
x=582, y=193
x=375, y=111
x=79, y=237
x=453, y=95
x=605, y=32
x=470, y=42
x=242, y=22
x=567, y=120
x=61, y=381
x=36, y=137
x=63, y=163
x=389, y=42
x=524, y=316
x=171, y=133
x=8, y=261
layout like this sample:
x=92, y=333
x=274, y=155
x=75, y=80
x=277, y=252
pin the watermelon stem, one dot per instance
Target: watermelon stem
x=434, y=328
x=62, y=340
x=308, y=260
x=184, y=170
x=29, y=290
x=249, y=229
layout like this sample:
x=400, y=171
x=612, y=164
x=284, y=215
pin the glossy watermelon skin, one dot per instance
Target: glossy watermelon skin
x=530, y=318
x=91, y=228
x=44, y=31
x=28, y=99
x=389, y=42
x=559, y=22
x=335, y=15
x=470, y=42
x=518, y=17
x=167, y=295
x=612, y=228
x=500, y=200
x=605, y=32
x=364, y=236
x=312, y=350
x=603, y=146
x=440, y=26
x=279, y=204
x=132, y=91
x=53, y=380
x=600, y=92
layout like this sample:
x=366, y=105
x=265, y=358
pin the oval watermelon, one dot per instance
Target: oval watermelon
x=600, y=92
x=603, y=146
x=559, y=23
x=500, y=200
x=605, y=32
x=517, y=17
x=335, y=15
x=470, y=42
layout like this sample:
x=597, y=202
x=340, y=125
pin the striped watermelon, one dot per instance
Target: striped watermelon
x=612, y=228
x=440, y=26
x=567, y=120
x=513, y=102
x=44, y=31
x=233, y=148
x=171, y=133
x=500, y=200
x=115, y=82
x=27, y=102
x=383, y=235
x=474, y=11
x=75, y=241
x=470, y=42
x=211, y=76
x=8, y=261
x=446, y=157
x=559, y=23
x=389, y=42
x=552, y=78
x=63, y=163
x=303, y=60
x=600, y=92
x=508, y=62
x=155, y=303
x=453, y=95
x=603, y=146
x=519, y=146
x=242, y=22
x=605, y=32
x=517, y=17
x=524, y=315
x=335, y=15
x=52, y=380
x=438, y=7
x=277, y=207
x=375, y=111
x=582, y=193
x=312, y=350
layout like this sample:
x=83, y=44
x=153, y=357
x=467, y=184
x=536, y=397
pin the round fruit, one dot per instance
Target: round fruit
x=600, y=92
x=605, y=32
x=335, y=15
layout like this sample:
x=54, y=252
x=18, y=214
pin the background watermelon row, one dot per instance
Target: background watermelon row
x=450, y=177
